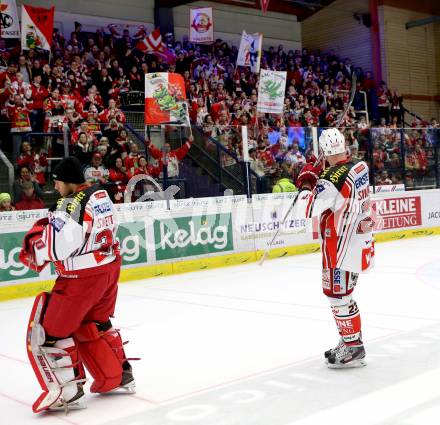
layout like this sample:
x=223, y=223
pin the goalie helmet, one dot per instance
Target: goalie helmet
x=332, y=142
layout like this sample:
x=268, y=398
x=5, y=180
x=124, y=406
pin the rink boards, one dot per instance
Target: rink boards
x=161, y=238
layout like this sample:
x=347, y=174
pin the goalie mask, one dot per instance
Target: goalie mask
x=332, y=142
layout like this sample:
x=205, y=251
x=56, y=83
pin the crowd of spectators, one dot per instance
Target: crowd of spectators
x=77, y=94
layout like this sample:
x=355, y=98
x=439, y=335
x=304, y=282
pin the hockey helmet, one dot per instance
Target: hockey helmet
x=332, y=142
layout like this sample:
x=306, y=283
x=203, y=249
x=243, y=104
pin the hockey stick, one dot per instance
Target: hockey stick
x=352, y=93
x=266, y=252
x=318, y=160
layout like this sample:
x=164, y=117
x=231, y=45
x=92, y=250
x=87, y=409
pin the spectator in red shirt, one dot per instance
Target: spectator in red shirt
x=421, y=159
x=383, y=101
x=131, y=161
x=170, y=158
x=112, y=113
x=148, y=169
x=380, y=156
x=37, y=162
x=39, y=95
x=118, y=175
x=84, y=128
x=29, y=200
x=18, y=113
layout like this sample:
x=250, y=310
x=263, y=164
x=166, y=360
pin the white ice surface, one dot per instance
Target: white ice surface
x=243, y=346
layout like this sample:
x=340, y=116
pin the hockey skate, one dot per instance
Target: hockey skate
x=128, y=384
x=328, y=353
x=346, y=356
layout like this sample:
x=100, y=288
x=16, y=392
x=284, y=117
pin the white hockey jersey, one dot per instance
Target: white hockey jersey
x=341, y=200
x=81, y=233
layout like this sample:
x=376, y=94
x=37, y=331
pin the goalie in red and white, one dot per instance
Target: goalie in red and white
x=70, y=327
x=340, y=197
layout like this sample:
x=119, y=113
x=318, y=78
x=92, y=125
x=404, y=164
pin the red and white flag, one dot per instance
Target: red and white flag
x=165, y=98
x=36, y=27
x=9, y=23
x=153, y=44
x=264, y=5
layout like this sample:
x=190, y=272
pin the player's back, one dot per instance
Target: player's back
x=346, y=225
x=83, y=231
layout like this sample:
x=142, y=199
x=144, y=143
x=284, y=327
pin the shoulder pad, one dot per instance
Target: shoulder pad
x=337, y=174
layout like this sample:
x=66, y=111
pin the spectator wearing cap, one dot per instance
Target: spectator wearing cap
x=96, y=172
x=29, y=199
x=5, y=202
x=25, y=175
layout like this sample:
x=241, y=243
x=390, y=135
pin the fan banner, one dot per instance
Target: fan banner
x=201, y=25
x=9, y=23
x=249, y=53
x=271, y=90
x=36, y=27
x=165, y=98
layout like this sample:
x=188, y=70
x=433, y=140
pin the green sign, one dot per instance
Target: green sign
x=193, y=235
x=10, y=266
x=131, y=238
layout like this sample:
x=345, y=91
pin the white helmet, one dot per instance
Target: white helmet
x=332, y=142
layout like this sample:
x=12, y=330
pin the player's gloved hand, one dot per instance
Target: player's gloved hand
x=308, y=176
x=29, y=261
x=27, y=253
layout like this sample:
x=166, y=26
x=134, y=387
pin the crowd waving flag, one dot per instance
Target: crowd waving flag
x=271, y=90
x=36, y=27
x=201, y=25
x=153, y=44
x=165, y=98
x=9, y=23
x=249, y=53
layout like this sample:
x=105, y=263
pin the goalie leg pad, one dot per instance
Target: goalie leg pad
x=101, y=350
x=348, y=319
x=58, y=370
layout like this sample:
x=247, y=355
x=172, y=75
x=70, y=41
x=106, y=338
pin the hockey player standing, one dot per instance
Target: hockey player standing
x=70, y=327
x=340, y=197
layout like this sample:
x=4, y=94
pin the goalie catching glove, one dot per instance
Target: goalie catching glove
x=31, y=239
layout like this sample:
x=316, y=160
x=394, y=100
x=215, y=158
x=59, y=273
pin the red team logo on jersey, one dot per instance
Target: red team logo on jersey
x=395, y=213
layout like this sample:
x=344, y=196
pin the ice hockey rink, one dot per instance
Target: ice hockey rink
x=244, y=346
